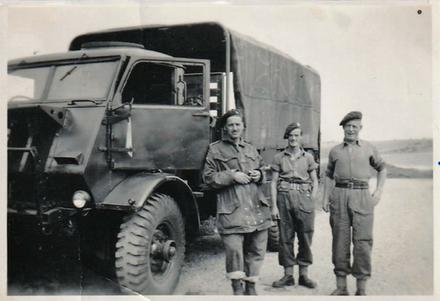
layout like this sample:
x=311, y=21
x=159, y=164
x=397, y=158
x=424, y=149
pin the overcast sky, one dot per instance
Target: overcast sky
x=376, y=59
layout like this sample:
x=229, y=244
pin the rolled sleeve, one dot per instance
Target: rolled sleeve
x=312, y=165
x=376, y=160
x=330, y=166
x=275, y=166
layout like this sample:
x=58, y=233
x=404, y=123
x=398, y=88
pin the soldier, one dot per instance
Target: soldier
x=351, y=204
x=294, y=189
x=232, y=167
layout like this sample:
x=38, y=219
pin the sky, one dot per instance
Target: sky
x=373, y=58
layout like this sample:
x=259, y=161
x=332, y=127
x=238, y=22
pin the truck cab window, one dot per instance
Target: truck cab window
x=150, y=83
x=165, y=84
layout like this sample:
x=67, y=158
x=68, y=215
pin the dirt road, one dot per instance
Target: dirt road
x=402, y=252
x=402, y=256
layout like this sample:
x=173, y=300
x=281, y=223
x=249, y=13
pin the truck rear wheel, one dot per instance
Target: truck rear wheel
x=150, y=248
x=273, y=240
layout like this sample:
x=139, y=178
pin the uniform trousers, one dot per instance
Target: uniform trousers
x=351, y=220
x=297, y=216
x=245, y=254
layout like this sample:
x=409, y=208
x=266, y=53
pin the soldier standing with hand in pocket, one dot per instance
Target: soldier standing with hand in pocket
x=294, y=188
x=347, y=197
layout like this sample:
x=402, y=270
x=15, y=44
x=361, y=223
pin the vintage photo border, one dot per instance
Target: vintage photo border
x=436, y=152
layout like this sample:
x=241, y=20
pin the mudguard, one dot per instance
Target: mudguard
x=134, y=191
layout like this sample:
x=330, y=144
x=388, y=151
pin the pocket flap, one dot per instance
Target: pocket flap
x=224, y=158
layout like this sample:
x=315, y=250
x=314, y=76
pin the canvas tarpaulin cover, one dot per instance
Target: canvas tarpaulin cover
x=274, y=89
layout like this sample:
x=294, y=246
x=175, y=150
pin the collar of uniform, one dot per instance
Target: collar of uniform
x=301, y=153
x=229, y=140
x=358, y=142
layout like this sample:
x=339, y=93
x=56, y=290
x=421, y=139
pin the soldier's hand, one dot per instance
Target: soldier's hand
x=241, y=178
x=376, y=197
x=255, y=175
x=275, y=213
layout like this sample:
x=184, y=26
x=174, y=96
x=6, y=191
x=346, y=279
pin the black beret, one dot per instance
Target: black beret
x=351, y=116
x=233, y=112
x=290, y=128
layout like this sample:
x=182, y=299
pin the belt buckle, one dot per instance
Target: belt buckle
x=350, y=185
x=294, y=186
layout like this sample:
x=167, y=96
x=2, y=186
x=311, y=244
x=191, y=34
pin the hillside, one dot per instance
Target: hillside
x=390, y=146
x=410, y=158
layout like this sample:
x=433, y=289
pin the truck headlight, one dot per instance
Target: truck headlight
x=80, y=198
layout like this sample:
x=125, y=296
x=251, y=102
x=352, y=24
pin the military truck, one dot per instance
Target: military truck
x=108, y=140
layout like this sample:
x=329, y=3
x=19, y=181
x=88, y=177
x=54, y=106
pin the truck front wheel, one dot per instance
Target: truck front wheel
x=150, y=248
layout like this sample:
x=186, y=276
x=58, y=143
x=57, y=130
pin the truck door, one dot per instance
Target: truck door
x=168, y=127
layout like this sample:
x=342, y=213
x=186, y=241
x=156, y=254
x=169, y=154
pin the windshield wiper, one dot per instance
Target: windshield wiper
x=83, y=56
x=68, y=72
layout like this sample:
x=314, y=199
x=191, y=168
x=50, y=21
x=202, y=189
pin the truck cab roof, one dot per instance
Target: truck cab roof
x=90, y=53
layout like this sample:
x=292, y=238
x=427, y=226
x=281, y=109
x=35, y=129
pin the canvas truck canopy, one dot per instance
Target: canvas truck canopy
x=275, y=90
x=272, y=88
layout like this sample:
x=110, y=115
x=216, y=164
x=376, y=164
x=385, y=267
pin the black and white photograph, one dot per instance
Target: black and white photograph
x=219, y=148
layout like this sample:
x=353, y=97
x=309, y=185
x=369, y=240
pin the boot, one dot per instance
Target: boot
x=250, y=288
x=361, y=287
x=287, y=280
x=237, y=287
x=341, y=286
x=304, y=280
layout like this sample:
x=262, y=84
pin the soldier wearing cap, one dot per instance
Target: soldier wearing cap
x=350, y=203
x=294, y=189
x=232, y=168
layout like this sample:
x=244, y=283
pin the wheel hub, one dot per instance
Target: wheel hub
x=169, y=250
x=164, y=250
x=162, y=247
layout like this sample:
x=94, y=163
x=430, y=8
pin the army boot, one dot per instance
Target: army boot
x=237, y=287
x=304, y=279
x=286, y=280
x=341, y=286
x=250, y=288
x=361, y=287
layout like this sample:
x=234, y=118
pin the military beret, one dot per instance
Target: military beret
x=233, y=112
x=351, y=116
x=291, y=127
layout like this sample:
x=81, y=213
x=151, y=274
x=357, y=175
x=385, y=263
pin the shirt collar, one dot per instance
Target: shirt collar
x=227, y=139
x=301, y=153
x=358, y=142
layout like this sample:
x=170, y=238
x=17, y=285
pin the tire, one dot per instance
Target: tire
x=273, y=243
x=143, y=259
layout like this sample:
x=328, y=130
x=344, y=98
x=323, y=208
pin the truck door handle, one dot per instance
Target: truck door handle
x=201, y=114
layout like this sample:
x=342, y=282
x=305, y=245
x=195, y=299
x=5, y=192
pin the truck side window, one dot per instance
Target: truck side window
x=150, y=83
x=194, y=85
x=165, y=84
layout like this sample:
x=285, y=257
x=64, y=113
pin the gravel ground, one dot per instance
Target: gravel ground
x=402, y=257
x=402, y=252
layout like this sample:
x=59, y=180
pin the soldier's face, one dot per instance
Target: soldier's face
x=352, y=129
x=295, y=138
x=234, y=127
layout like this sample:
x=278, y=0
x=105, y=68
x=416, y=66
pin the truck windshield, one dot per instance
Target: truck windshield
x=84, y=80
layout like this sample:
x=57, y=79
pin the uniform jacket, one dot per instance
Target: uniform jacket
x=241, y=208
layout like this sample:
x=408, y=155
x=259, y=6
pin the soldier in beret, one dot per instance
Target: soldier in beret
x=347, y=197
x=294, y=189
x=232, y=168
